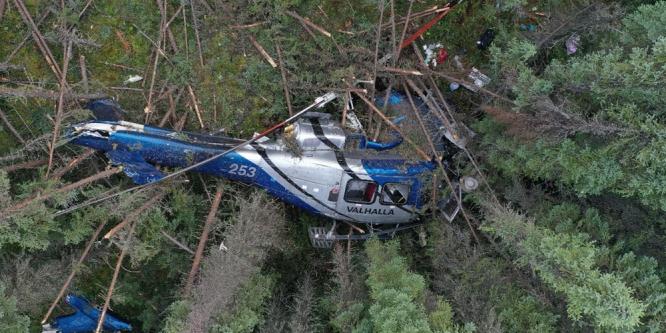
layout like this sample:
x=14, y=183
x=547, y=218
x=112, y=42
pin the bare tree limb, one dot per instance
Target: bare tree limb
x=136, y=213
x=11, y=128
x=283, y=73
x=263, y=52
x=309, y=23
x=114, y=279
x=75, y=269
x=39, y=39
x=84, y=73
x=204, y=237
x=61, y=102
x=195, y=104
x=25, y=165
x=196, y=33
x=175, y=241
x=73, y=163
x=26, y=202
x=36, y=92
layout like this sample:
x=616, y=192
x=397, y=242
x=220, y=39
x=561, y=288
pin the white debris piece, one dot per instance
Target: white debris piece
x=353, y=122
x=431, y=53
x=261, y=139
x=133, y=78
x=572, y=44
x=479, y=79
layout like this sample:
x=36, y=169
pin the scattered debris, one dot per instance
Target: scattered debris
x=458, y=62
x=133, y=79
x=531, y=27
x=572, y=44
x=435, y=54
x=479, y=79
x=485, y=39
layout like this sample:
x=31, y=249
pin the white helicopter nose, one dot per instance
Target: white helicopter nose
x=108, y=128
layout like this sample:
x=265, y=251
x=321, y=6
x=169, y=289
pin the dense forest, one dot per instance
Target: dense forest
x=565, y=234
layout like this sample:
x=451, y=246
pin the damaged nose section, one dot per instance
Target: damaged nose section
x=106, y=110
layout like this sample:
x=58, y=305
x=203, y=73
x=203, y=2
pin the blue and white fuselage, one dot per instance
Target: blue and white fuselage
x=315, y=166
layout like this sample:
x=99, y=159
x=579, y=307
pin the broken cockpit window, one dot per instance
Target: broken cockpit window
x=394, y=194
x=360, y=191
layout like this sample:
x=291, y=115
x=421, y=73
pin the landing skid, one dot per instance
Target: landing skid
x=321, y=237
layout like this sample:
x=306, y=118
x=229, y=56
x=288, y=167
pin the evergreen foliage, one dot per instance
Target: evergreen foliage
x=10, y=320
x=567, y=264
x=248, y=308
x=396, y=293
x=576, y=141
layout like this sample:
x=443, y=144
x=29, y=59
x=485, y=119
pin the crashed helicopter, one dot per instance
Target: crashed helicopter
x=315, y=165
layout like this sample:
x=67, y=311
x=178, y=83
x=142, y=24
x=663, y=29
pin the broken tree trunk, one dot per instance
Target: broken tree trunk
x=263, y=52
x=204, y=237
x=39, y=39
x=73, y=163
x=283, y=73
x=41, y=197
x=61, y=104
x=11, y=128
x=309, y=23
x=25, y=165
x=114, y=279
x=74, y=270
x=34, y=92
x=136, y=213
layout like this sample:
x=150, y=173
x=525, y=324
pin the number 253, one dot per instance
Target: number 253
x=242, y=170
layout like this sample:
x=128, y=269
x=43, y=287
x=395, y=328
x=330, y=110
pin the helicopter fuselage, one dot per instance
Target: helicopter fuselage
x=315, y=166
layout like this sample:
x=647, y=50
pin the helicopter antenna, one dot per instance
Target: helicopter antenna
x=318, y=103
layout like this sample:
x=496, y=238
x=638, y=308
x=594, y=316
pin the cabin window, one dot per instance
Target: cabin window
x=360, y=191
x=394, y=194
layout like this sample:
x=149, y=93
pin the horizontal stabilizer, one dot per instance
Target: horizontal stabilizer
x=135, y=166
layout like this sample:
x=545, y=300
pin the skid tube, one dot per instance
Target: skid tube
x=321, y=237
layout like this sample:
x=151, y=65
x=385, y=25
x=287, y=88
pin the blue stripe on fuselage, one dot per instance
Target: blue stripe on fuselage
x=157, y=149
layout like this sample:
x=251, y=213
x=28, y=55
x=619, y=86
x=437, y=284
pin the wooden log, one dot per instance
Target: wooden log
x=73, y=163
x=309, y=23
x=39, y=39
x=263, y=52
x=75, y=269
x=26, y=202
x=401, y=71
x=136, y=213
x=36, y=92
x=285, y=85
x=61, y=104
x=204, y=238
x=25, y=165
x=114, y=279
x=11, y=128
